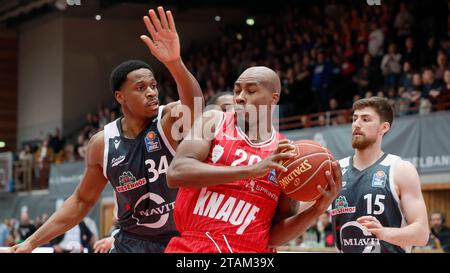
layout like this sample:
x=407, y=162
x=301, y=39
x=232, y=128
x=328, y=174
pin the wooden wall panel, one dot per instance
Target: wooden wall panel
x=437, y=200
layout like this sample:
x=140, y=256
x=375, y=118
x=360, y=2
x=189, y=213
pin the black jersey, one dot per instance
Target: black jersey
x=367, y=192
x=136, y=168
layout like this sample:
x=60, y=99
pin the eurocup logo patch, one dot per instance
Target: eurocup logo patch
x=152, y=142
x=379, y=179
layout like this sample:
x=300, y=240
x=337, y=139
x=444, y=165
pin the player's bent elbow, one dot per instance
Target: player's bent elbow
x=423, y=238
x=171, y=181
x=173, y=177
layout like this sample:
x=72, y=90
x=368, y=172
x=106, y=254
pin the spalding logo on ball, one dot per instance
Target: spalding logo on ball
x=306, y=171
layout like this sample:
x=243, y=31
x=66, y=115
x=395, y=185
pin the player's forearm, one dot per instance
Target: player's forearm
x=69, y=215
x=189, y=172
x=187, y=85
x=292, y=227
x=415, y=234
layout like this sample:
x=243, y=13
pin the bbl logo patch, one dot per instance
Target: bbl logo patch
x=272, y=177
x=379, y=179
x=152, y=142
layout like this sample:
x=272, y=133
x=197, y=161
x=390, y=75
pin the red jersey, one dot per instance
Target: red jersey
x=234, y=216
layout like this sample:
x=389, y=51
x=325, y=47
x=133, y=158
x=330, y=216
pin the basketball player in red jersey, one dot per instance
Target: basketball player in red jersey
x=228, y=199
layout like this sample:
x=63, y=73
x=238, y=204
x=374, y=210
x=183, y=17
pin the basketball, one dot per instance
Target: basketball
x=306, y=171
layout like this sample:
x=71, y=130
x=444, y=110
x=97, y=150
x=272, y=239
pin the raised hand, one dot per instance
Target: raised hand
x=164, y=43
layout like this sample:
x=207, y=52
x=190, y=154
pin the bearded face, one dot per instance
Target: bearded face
x=361, y=141
x=366, y=128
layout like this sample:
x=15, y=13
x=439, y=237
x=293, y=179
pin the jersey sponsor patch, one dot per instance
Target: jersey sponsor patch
x=379, y=179
x=251, y=185
x=228, y=209
x=128, y=182
x=116, y=161
x=356, y=238
x=152, y=142
x=152, y=211
x=341, y=206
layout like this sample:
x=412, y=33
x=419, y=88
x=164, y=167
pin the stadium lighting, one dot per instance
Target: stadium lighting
x=98, y=17
x=217, y=18
x=250, y=21
x=2, y=144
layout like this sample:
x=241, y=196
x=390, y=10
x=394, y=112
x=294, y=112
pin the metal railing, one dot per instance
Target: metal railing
x=23, y=175
x=344, y=116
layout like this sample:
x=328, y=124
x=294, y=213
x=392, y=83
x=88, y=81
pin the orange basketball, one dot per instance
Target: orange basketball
x=306, y=171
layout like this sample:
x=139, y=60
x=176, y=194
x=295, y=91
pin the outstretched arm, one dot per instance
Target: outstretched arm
x=76, y=207
x=289, y=224
x=416, y=231
x=164, y=44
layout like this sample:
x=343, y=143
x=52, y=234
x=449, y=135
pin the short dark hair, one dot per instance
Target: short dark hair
x=120, y=72
x=380, y=105
x=213, y=99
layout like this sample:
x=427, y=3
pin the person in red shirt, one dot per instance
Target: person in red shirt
x=228, y=198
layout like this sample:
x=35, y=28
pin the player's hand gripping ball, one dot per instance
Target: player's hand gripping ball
x=306, y=171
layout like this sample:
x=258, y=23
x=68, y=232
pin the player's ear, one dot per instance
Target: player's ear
x=275, y=98
x=119, y=96
x=385, y=127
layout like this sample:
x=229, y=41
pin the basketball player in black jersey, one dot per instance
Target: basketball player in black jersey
x=222, y=101
x=133, y=153
x=380, y=207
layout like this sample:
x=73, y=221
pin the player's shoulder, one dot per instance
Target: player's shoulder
x=97, y=139
x=391, y=159
x=95, y=148
x=402, y=165
x=170, y=106
x=167, y=110
x=405, y=174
